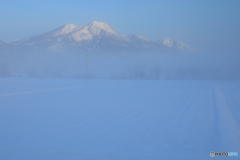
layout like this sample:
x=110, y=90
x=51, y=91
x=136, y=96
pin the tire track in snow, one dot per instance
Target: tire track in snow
x=135, y=119
x=113, y=111
x=161, y=103
x=179, y=126
x=225, y=122
x=128, y=115
x=235, y=109
x=185, y=104
x=145, y=107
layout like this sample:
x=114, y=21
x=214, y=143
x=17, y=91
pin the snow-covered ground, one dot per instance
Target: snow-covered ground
x=67, y=119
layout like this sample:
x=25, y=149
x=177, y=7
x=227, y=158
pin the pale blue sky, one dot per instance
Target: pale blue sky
x=204, y=24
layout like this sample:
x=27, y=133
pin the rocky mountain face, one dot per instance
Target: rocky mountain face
x=96, y=36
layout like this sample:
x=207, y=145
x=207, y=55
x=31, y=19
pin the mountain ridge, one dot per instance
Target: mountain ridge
x=96, y=35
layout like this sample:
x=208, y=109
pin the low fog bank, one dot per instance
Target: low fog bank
x=191, y=65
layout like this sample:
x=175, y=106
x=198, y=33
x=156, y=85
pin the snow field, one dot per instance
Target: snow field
x=58, y=119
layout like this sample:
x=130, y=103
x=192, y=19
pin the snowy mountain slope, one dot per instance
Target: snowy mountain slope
x=96, y=36
x=92, y=29
x=48, y=39
x=174, y=44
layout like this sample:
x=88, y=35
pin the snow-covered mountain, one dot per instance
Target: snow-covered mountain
x=96, y=36
x=174, y=44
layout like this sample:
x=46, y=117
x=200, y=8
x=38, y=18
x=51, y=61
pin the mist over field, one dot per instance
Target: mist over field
x=169, y=65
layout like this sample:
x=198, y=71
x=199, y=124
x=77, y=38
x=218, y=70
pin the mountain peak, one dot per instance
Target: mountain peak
x=97, y=24
x=68, y=28
x=100, y=25
x=171, y=43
